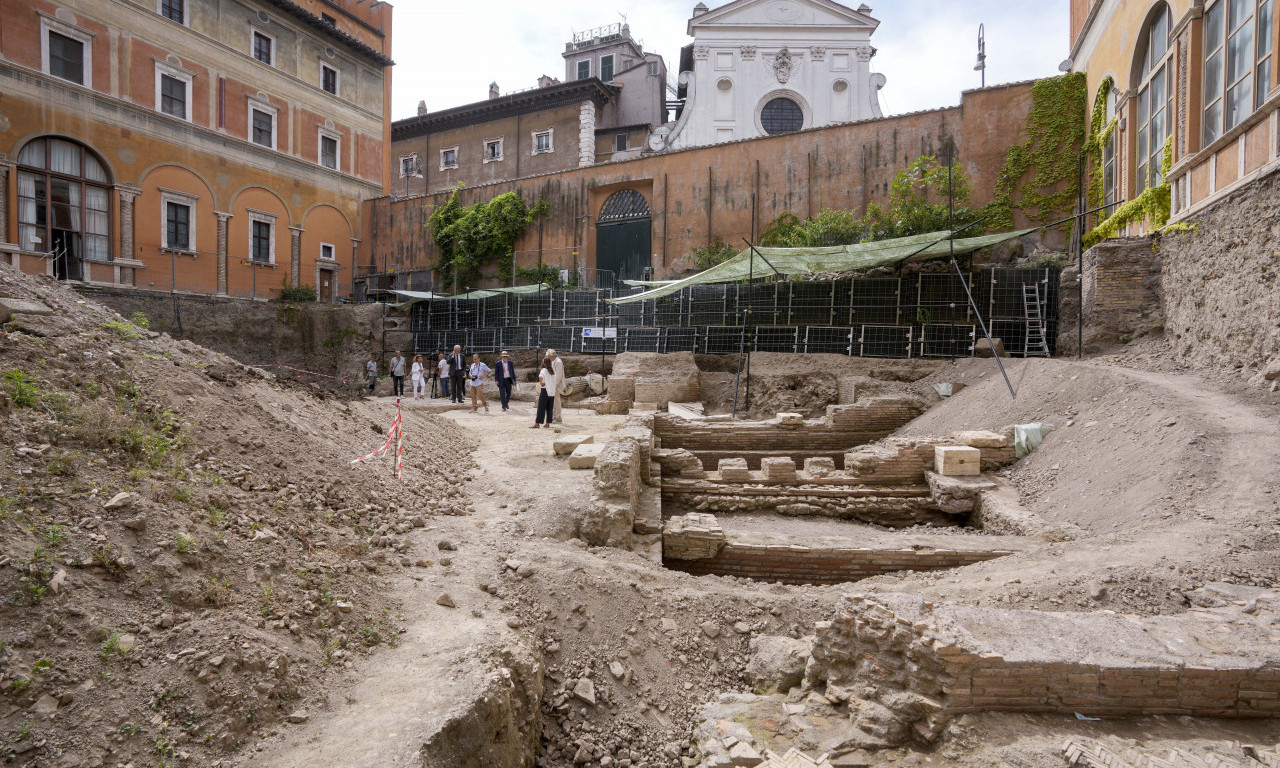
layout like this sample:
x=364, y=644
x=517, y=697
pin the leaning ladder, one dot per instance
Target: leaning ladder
x=1035, y=343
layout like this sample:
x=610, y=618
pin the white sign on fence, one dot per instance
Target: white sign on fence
x=592, y=333
x=611, y=333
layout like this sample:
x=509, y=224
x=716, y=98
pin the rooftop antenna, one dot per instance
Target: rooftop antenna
x=624, y=17
x=981, y=66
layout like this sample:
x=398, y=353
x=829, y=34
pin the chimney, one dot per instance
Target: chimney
x=546, y=81
x=493, y=91
x=700, y=9
x=422, y=107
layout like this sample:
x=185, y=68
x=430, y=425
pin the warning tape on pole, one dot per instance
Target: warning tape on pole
x=394, y=435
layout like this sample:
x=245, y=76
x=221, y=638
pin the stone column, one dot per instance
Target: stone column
x=4, y=201
x=222, y=251
x=127, y=195
x=295, y=255
x=355, y=259
x=587, y=133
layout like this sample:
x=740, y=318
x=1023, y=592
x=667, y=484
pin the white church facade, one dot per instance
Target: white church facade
x=765, y=67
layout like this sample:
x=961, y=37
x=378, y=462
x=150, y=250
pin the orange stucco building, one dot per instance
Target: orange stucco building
x=1200, y=75
x=208, y=146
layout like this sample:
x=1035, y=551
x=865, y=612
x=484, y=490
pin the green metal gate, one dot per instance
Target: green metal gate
x=623, y=236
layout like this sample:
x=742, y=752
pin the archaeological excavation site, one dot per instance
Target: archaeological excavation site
x=839, y=561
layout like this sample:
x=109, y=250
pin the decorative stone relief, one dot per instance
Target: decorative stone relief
x=701, y=52
x=748, y=52
x=864, y=53
x=818, y=53
x=782, y=65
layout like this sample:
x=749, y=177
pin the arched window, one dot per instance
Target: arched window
x=63, y=203
x=1237, y=63
x=781, y=115
x=1155, y=97
x=623, y=205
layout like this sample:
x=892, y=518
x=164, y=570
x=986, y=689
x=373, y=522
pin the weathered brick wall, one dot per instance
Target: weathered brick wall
x=795, y=564
x=931, y=663
x=1121, y=293
x=893, y=508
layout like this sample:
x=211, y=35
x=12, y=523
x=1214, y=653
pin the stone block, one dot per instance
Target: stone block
x=585, y=455
x=980, y=438
x=10, y=307
x=819, y=466
x=566, y=444
x=622, y=388
x=957, y=460
x=734, y=470
x=995, y=349
x=778, y=468
x=790, y=419
x=644, y=406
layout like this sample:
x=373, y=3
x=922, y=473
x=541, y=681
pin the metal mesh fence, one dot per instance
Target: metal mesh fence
x=925, y=314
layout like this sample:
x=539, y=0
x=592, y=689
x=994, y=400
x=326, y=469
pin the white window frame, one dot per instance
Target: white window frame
x=332, y=258
x=321, y=135
x=337, y=79
x=270, y=109
x=613, y=63
x=186, y=13
x=577, y=67
x=180, y=198
x=417, y=166
x=498, y=157
x=263, y=217
x=177, y=74
x=254, y=30
x=449, y=167
x=48, y=25
x=550, y=133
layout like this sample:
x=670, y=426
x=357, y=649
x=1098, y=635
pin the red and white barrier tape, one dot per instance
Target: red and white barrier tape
x=396, y=434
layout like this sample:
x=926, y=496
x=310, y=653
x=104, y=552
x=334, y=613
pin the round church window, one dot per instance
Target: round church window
x=781, y=115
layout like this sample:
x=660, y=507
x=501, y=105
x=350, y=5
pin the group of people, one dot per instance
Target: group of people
x=449, y=374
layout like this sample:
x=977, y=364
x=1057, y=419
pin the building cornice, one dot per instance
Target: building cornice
x=318, y=24
x=485, y=111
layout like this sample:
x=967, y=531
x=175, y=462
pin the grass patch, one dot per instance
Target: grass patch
x=183, y=543
x=124, y=330
x=22, y=388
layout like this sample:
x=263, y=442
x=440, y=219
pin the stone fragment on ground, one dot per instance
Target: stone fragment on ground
x=584, y=456
x=567, y=444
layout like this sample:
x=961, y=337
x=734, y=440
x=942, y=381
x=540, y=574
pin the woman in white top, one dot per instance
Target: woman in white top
x=477, y=374
x=546, y=401
x=443, y=365
x=418, y=374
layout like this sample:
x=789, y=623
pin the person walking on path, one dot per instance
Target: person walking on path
x=546, y=380
x=419, y=373
x=506, y=378
x=371, y=371
x=397, y=374
x=477, y=375
x=442, y=372
x=457, y=372
x=557, y=369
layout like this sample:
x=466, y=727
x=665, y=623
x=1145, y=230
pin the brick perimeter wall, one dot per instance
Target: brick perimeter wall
x=800, y=565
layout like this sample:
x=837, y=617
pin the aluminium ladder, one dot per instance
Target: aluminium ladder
x=1035, y=344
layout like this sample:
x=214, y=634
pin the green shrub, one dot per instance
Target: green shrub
x=123, y=329
x=717, y=252
x=21, y=387
x=298, y=293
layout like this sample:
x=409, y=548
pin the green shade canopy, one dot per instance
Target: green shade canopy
x=839, y=258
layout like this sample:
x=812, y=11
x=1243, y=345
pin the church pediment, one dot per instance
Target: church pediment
x=783, y=13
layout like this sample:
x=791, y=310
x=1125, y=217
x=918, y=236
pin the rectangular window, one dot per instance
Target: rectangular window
x=541, y=142
x=1238, y=61
x=66, y=58
x=263, y=129
x=620, y=142
x=173, y=96
x=329, y=79
x=260, y=242
x=448, y=158
x=606, y=68
x=329, y=152
x=174, y=10
x=492, y=150
x=584, y=69
x=262, y=47
x=409, y=166
x=177, y=230
x=326, y=252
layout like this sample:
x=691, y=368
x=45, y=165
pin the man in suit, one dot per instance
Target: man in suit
x=557, y=368
x=457, y=372
x=506, y=378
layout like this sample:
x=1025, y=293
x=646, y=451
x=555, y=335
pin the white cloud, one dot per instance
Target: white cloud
x=448, y=53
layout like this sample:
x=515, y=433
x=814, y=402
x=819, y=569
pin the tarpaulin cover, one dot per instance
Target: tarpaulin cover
x=839, y=258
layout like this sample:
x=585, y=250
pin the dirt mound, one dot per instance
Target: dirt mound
x=187, y=550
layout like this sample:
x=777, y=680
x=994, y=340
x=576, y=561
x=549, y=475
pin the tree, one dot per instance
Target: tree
x=473, y=237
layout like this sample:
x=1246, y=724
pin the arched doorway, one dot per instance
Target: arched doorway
x=623, y=235
x=64, y=205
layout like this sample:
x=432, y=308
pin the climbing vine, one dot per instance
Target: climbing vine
x=1040, y=178
x=1099, y=136
x=1152, y=206
x=471, y=238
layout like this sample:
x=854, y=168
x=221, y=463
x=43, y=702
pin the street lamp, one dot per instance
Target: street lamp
x=981, y=66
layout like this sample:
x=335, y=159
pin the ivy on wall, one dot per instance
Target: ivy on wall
x=1040, y=178
x=1152, y=206
x=471, y=238
x=1099, y=136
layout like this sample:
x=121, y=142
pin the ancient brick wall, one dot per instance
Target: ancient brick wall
x=1121, y=294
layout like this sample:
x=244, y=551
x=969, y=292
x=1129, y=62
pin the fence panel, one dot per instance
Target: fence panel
x=641, y=339
x=940, y=298
x=945, y=341
x=838, y=341
x=723, y=340
x=679, y=339
x=885, y=341
x=874, y=301
x=777, y=338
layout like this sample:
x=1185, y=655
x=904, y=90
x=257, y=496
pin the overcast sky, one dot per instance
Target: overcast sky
x=448, y=52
